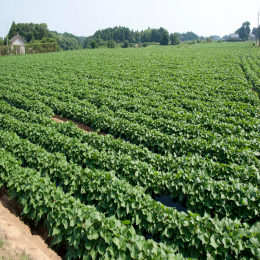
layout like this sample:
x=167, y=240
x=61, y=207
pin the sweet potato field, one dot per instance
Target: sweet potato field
x=180, y=122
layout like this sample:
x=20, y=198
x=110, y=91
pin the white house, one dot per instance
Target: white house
x=234, y=37
x=18, y=42
x=252, y=36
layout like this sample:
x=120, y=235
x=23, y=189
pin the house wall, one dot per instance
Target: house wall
x=18, y=41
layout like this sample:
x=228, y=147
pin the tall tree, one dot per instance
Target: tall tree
x=13, y=30
x=244, y=31
x=165, y=39
x=174, y=39
x=94, y=44
x=255, y=31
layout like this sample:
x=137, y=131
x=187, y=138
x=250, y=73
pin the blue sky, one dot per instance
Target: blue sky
x=84, y=17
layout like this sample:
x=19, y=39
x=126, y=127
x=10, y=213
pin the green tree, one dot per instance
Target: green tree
x=1, y=41
x=5, y=41
x=125, y=45
x=111, y=44
x=164, y=40
x=188, y=36
x=244, y=31
x=94, y=44
x=13, y=30
x=146, y=35
x=175, y=39
x=208, y=40
x=44, y=40
x=255, y=31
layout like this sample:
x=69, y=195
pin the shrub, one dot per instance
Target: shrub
x=125, y=45
x=94, y=44
x=111, y=44
x=175, y=39
x=164, y=40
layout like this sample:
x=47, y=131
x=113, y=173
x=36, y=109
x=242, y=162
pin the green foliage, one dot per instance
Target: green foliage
x=1, y=41
x=165, y=40
x=66, y=41
x=244, y=31
x=145, y=44
x=255, y=31
x=111, y=44
x=38, y=47
x=9, y=50
x=189, y=36
x=39, y=33
x=125, y=45
x=82, y=39
x=5, y=41
x=214, y=37
x=13, y=30
x=118, y=34
x=29, y=31
x=94, y=44
x=180, y=121
x=208, y=40
x=174, y=39
x=67, y=218
x=154, y=35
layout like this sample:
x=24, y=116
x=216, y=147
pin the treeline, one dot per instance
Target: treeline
x=39, y=33
x=66, y=41
x=109, y=37
x=122, y=34
x=189, y=36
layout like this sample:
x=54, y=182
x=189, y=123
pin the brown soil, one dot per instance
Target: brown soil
x=83, y=127
x=9, y=253
x=21, y=239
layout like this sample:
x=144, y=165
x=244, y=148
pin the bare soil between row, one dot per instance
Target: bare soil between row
x=85, y=128
x=20, y=235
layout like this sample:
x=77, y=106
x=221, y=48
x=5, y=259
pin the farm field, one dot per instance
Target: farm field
x=181, y=124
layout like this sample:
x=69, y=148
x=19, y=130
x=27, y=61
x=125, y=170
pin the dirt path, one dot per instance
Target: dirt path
x=19, y=236
x=85, y=128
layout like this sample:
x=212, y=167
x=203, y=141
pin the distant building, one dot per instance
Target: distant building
x=18, y=42
x=251, y=37
x=234, y=37
x=224, y=38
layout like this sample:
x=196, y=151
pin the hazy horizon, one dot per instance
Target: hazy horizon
x=83, y=18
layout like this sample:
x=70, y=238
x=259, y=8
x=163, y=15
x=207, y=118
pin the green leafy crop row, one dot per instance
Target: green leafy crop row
x=160, y=163
x=216, y=149
x=203, y=193
x=88, y=233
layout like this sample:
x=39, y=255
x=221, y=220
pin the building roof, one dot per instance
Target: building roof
x=234, y=35
x=16, y=37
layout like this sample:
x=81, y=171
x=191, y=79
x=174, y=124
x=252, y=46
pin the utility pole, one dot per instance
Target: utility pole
x=258, y=30
x=256, y=35
x=6, y=38
x=6, y=34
